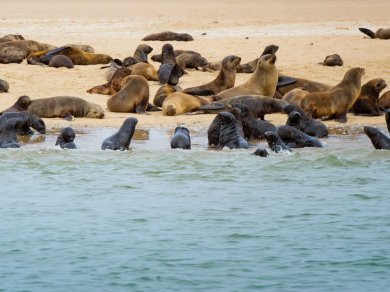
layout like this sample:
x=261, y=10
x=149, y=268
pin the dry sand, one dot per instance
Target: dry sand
x=305, y=31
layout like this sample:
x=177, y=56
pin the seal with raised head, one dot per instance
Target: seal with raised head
x=4, y=86
x=179, y=103
x=21, y=105
x=168, y=36
x=60, y=61
x=133, y=96
x=384, y=100
x=295, y=138
x=66, y=138
x=146, y=70
x=31, y=121
x=332, y=60
x=163, y=92
x=169, y=72
x=8, y=132
x=114, y=85
x=181, y=139
x=229, y=136
x=65, y=106
x=121, y=139
x=141, y=53
x=262, y=82
x=275, y=143
x=188, y=61
x=335, y=103
x=381, y=33
x=224, y=80
x=367, y=103
x=295, y=96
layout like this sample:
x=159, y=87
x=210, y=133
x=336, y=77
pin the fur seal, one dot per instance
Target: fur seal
x=224, y=80
x=163, y=92
x=295, y=138
x=262, y=152
x=229, y=136
x=381, y=33
x=309, y=85
x=114, y=85
x=8, y=131
x=367, y=104
x=169, y=72
x=61, y=61
x=181, y=139
x=4, y=86
x=332, y=60
x=378, y=139
x=146, y=70
x=179, y=103
x=188, y=61
x=295, y=96
x=64, y=106
x=299, y=119
x=158, y=57
x=275, y=143
x=262, y=82
x=84, y=48
x=141, y=53
x=10, y=55
x=65, y=138
x=335, y=103
x=30, y=121
x=384, y=101
x=11, y=37
x=21, y=105
x=168, y=36
x=133, y=96
x=27, y=46
x=121, y=139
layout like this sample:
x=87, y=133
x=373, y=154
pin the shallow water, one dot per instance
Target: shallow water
x=156, y=219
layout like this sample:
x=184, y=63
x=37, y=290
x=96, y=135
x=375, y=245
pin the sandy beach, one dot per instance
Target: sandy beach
x=305, y=31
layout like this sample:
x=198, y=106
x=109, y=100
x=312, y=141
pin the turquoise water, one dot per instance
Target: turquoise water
x=156, y=219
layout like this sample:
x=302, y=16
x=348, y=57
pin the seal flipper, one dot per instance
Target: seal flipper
x=368, y=32
x=285, y=80
x=201, y=92
x=152, y=108
x=212, y=106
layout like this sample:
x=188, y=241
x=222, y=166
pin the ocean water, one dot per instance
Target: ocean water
x=156, y=219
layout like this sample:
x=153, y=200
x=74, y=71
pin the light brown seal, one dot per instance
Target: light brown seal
x=141, y=53
x=64, y=106
x=84, y=48
x=262, y=82
x=60, y=61
x=179, y=103
x=224, y=80
x=168, y=36
x=163, y=92
x=332, y=60
x=384, y=101
x=4, y=86
x=133, y=97
x=11, y=37
x=145, y=70
x=114, y=85
x=367, y=103
x=21, y=105
x=381, y=33
x=295, y=96
x=335, y=103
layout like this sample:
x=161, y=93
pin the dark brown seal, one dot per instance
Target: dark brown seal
x=27, y=46
x=224, y=80
x=158, y=57
x=66, y=138
x=308, y=85
x=169, y=72
x=141, y=53
x=333, y=60
x=163, y=92
x=187, y=60
x=114, y=85
x=31, y=121
x=132, y=98
x=21, y=105
x=64, y=106
x=4, y=86
x=229, y=135
x=121, y=139
x=384, y=101
x=168, y=36
x=11, y=55
x=367, y=103
x=61, y=61
x=335, y=103
x=378, y=139
x=381, y=33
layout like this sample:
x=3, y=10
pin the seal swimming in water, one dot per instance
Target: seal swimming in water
x=295, y=138
x=121, y=139
x=20, y=105
x=381, y=33
x=229, y=136
x=4, y=86
x=66, y=138
x=168, y=36
x=65, y=106
x=30, y=121
x=335, y=103
x=262, y=152
x=275, y=143
x=378, y=139
x=169, y=72
x=367, y=104
x=332, y=60
x=8, y=131
x=181, y=139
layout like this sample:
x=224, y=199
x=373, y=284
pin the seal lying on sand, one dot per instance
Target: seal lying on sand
x=384, y=101
x=121, y=139
x=223, y=81
x=10, y=55
x=20, y=105
x=114, y=85
x=27, y=46
x=332, y=60
x=295, y=96
x=168, y=36
x=181, y=139
x=335, y=103
x=158, y=57
x=381, y=33
x=60, y=61
x=11, y=37
x=229, y=136
x=367, y=103
x=163, y=92
x=30, y=121
x=188, y=61
x=169, y=72
x=65, y=138
x=4, y=86
x=65, y=106
x=308, y=85
x=145, y=70
x=179, y=103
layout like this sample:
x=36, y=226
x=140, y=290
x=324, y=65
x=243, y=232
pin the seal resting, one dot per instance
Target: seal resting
x=179, y=103
x=168, y=36
x=11, y=37
x=30, y=121
x=85, y=48
x=332, y=60
x=367, y=104
x=65, y=106
x=335, y=103
x=21, y=105
x=169, y=72
x=141, y=53
x=275, y=143
x=181, y=139
x=262, y=82
x=381, y=33
x=10, y=55
x=114, y=85
x=4, y=86
x=27, y=46
x=158, y=57
x=308, y=85
x=224, y=80
x=384, y=101
x=146, y=70
x=66, y=138
x=121, y=139
x=295, y=96
x=229, y=136
x=61, y=61
x=163, y=92
x=295, y=138
x=187, y=60
x=133, y=96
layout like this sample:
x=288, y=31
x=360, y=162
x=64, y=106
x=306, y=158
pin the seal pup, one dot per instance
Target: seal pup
x=10, y=55
x=163, y=92
x=262, y=82
x=169, y=72
x=114, y=85
x=188, y=61
x=168, y=36
x=27, y=46
x=4, y=86
x=66, y=138
x=384, y=101
x=133, y=96
x=141, y=53
x=146, y=70
x=262, y=152
x=30, y=121
x=121, y=139
x=295, y=138
x=332, y=60
x=275, y=143
x=335, y=103
x=21, y=105
x=295, y=96
x=224, y=80
x=299, y=119
x=85, y=48
x=61, y=61
x=381, y=33
x=367, y=104
x=179, y=103
x=8, y=132
x=65, y=106
x=181, y=139
x=229, y=136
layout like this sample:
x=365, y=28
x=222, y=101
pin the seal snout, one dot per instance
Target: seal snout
x=270, y=58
